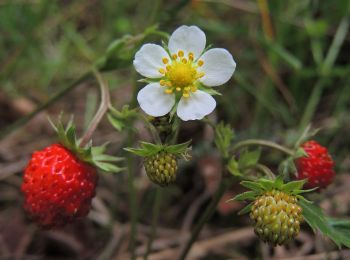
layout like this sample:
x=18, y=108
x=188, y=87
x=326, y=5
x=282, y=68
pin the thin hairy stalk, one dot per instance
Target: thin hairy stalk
x=265, y=143
x=265, y=170
x=105, y=103
x=61, y=93
x=155, y=215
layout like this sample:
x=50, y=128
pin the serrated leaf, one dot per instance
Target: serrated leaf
x=315, y=217
x=223, y=137
x=248, y=195
x=178, y=148
x=249, y=159
x=116, y=123
x=232, y=167
x=246, y=209
x=255, y=186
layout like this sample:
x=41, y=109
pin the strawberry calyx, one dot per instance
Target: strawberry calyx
x=149, y=149
x=94, y=155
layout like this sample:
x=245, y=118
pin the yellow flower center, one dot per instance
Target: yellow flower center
x=181, y=74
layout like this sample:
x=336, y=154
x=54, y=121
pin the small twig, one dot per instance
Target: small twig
x=105, y=103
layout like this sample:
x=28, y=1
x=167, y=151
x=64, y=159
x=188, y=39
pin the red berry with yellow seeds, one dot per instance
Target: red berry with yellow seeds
x=58, y=186
x=161, y=168
x=276, y=217
x=316, y=167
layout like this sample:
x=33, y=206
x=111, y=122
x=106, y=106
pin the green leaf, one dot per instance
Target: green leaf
x=246, y=209
x=255, y=186
x=315, y=217
x=249, y=159
x=116, y=123
x=248, y=195
x=224, y=135
x=232, y=167
x=178, y=148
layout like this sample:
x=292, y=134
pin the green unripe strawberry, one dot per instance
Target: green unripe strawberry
x=276, y=217
x=161, y=168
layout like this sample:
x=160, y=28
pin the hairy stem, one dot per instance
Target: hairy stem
x=265, y=143
x=105, y=103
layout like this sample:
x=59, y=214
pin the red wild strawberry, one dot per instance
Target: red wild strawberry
x=58, y=186
x=317, y=167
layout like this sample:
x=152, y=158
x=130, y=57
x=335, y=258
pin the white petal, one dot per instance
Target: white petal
x=154, y=101
x=218, y=67
x=188, y=39
x=148, y=60
x=195, y=107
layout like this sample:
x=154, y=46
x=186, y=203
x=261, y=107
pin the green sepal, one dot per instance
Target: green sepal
x=249, y=158
x=255, y=186
x=121, y=119
x=149, y=149
x=317, y=220
x=224, y=135
x=90, y=154
x=248, y=195
x=246, y=209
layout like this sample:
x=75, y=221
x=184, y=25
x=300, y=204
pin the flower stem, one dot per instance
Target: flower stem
x=105, y=103
x=155, y=216
x=265, y=143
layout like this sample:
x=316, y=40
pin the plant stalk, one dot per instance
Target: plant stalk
x=260, y=142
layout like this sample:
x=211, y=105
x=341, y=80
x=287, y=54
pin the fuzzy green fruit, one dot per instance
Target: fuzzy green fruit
x=276, y=217
x=161, y=168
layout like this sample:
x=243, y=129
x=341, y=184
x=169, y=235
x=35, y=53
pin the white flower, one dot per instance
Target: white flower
x=182, y=74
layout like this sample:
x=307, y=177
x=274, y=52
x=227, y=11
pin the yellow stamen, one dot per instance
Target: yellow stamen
x=186, y=95
x=168, y=91
x=200, y=63
x=184, y=60
x=174, y=56
x=181, y=54
x=193, y=88
x=162, y=71
x=200, y=75
x=178, y=89
x=168, y=67
x=162, y=82
x=165, y=60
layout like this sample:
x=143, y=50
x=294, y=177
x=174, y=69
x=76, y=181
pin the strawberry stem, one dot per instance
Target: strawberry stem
x=265, y=143
x=105, y=103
